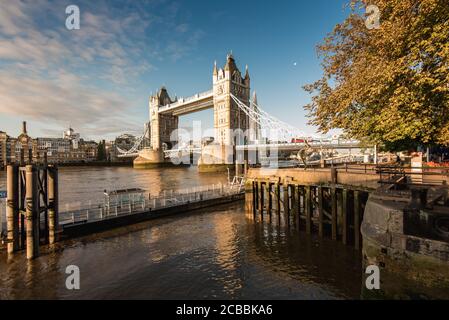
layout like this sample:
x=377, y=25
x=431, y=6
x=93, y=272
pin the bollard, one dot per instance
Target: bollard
x=320, y=212
x=32, y=213
x=53, y=204
x=334, y=212
x=308, y=208
x=12, y=213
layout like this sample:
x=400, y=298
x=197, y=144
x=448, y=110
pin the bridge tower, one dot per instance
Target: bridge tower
x=231, y=124
x=161, y=132
x=227, y=115
x=163, y=126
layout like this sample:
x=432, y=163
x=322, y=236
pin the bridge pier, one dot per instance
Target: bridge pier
x=149, y=158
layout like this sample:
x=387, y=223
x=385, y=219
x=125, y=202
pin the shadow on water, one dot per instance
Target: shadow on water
x=221, y=253
x=216, y=253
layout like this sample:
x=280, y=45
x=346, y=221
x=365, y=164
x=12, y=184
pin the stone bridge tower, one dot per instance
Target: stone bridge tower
x=231, y=124
x=162, y=126
x=227, y=115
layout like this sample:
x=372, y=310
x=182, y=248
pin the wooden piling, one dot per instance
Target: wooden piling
x=12, y=212
x=254, y=199
x=300, y=203
x=334, y=212
x=344, y=214
x=32, y=213
x=261, y=198
x=53, y=208
x=269, y=199
x=286, y=203
x=256, y=195
x=294, y=201
x=308, y=209
x=320, y=212
x=357, y=220
x=277, y=190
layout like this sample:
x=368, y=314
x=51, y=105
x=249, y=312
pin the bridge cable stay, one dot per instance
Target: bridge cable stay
x=136, y=147
x=285, y=131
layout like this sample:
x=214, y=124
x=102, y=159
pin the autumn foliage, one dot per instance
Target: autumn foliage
x=388, y=85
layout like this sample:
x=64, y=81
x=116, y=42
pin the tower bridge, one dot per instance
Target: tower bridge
x=238, y=125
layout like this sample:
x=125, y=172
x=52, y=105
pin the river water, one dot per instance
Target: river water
x=216, y=253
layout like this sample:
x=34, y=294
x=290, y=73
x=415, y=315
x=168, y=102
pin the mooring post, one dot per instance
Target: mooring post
x=344, y=214
x=12, y=212
x=357, y=220
x=254, y=204
x=261, y=199
x=277, y=190
x=270, y=199
x=256, y=195
x=308, y=209
x=53, y=204
x=286, y=203
x=320, y=212
x=294, y=201
x=299, y=204
x=334, y=212
x=32, y=213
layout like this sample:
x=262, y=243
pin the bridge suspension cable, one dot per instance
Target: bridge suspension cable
x=282, y=130
x=136, y=147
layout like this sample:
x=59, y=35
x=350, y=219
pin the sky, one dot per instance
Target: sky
x=98, y=79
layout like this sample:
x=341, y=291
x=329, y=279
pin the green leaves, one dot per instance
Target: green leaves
x=390, y=84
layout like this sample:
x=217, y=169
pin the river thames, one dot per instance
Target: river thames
x=215, y=253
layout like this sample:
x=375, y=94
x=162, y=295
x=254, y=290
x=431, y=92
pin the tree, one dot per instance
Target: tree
x=387, y=85
x=101, y=151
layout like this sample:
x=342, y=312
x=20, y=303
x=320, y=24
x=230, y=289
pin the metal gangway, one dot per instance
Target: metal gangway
x=136, y=201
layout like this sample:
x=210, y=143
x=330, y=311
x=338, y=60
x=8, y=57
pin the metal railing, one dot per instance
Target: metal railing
x=139, y=203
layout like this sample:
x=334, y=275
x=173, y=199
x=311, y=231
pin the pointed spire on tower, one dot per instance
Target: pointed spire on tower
x=246, y=72
x=215, y=68
x=230, y=63
x=254, y=98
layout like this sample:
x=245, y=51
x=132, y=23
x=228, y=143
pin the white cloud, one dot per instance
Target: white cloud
x=83, y=77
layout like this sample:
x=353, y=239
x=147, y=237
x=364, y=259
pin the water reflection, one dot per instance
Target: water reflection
x=219, y=253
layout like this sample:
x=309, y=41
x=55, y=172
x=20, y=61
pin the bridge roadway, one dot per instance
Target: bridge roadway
x=279, y=146
x=182, y=106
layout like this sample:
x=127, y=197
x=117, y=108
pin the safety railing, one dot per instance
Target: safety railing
x=139, y=204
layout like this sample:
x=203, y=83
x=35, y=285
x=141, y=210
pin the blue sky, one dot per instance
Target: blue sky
x=98, y=79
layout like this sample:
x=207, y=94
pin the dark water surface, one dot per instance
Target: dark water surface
x=217, y=253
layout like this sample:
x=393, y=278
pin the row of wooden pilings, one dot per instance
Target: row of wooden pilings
x=32, y=207
x=329, y=210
